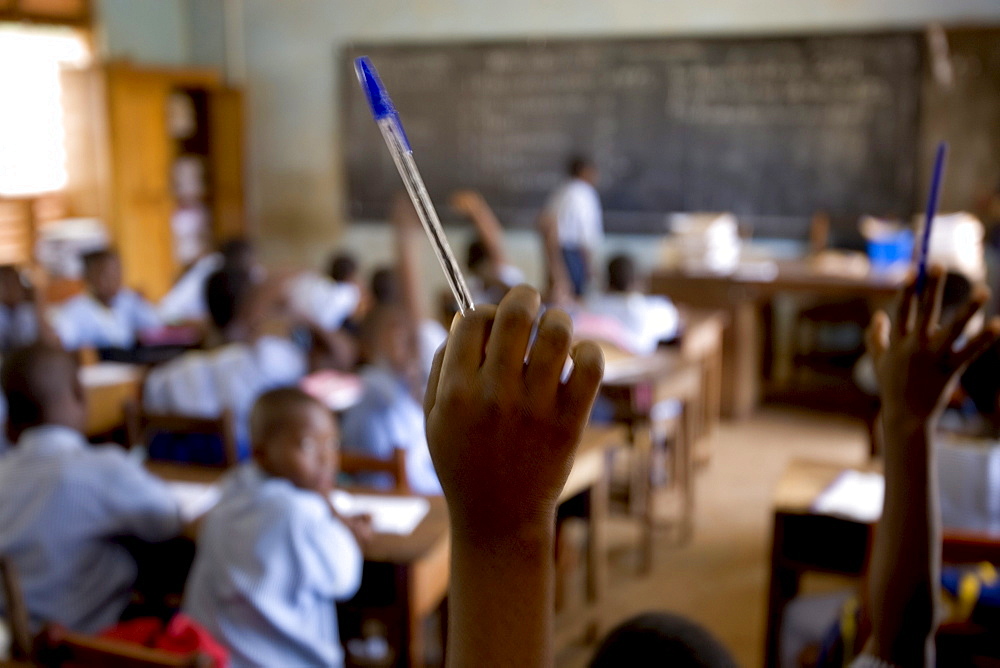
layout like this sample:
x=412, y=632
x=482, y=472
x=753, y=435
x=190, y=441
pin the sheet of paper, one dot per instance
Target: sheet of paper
x=854, y=495
x=398, y=515
x=194, y=498
x=109, y=373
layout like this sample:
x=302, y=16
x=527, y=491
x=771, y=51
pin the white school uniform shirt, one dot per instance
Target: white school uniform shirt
x=507, y=274
x=62, y=504
x=431, y=335
x=18, y=326
x=204, y=383
x=323, y=300
x=272, y=561
x=185, y=302
x=388, y=418
x=647, y=319
x=84, y=322
x=576, y=207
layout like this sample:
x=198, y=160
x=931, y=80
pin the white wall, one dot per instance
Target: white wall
x=145, y=31
x=293, y=49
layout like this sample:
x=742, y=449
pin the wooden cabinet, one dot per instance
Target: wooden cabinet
x=124, y=146
x=73, y=12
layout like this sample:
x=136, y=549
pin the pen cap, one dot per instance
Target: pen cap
x=378, y=98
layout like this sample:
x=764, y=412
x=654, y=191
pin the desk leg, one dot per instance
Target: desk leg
x=597, y=548
x=783, y=587
x=742, y=361
x=412, y=654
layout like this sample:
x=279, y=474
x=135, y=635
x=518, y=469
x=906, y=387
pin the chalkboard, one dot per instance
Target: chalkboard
x=772, y=129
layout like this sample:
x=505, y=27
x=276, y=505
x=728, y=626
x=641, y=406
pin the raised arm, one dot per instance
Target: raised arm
x=503, y=434
x=471, y=204
x=917, y=364
x=560, y=286
x=407, y=229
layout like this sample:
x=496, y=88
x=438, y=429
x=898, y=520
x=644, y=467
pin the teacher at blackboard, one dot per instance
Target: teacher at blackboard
x=573, y=227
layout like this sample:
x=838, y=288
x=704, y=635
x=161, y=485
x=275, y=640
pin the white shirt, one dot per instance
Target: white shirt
x=323, y=300
x=508, y=275
x=648, y=319
x=577, y=210
x=272, y=561
x=186, y=300
x=62, y=504
x=84, y=322
x=18, y=326
x=204, y=383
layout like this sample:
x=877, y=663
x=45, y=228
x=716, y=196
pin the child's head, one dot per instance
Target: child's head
x=41, y=386
x=343, y=268
x=661, y=639
x=295, y=437
x=102, y=271
x=478, y=259
x=581, y=167
x=227, y=292
x=622, y=274
x=238, y=253
x=385, y=339
x=385, y=286
x=12, y=289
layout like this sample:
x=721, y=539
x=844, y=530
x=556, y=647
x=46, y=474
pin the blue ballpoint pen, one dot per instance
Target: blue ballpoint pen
x=932, y=199
x=399, y=147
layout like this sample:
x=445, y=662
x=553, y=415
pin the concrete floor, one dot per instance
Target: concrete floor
x=720, y=578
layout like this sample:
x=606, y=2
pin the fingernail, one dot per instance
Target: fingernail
x=454, y=321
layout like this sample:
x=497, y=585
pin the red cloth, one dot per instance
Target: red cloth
x=182, y=635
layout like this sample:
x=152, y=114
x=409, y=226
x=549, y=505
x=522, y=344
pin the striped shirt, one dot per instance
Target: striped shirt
x=84, y=322
x=62, y=504
x=272, y=561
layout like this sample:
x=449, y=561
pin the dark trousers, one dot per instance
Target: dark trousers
x=576, y=266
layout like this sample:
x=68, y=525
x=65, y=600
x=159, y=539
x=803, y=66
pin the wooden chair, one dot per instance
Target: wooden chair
x=701, y=343
x=17, y=611
x=55, y=646
x=141, y=426
x=353, y=464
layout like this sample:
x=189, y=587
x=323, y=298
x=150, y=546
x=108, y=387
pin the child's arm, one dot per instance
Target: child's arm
x=917, y=365
x=408, y=230
x=502, y=434
x=560, y=285
x=470, y=203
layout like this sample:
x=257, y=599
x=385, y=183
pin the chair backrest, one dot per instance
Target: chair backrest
x=353, y=464
x=967, y=547
x=141, y=426
x=59, y=647
x=16, y=610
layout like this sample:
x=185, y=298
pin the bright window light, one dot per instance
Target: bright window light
x=32, y=137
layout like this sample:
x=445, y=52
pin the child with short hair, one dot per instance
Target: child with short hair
x=491, y=275
x=107, y=315
x=273, y=555
x=244, y=362
x=19, y=322
x=63, y=502
x=646, y=319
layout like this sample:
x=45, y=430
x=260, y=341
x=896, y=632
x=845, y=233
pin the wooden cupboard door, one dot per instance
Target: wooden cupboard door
x=142, y=202
x=226, y=162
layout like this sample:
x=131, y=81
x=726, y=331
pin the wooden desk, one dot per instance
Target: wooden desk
x=804, y=541
x=106, y=386
x=742, y=299
x=409, y=573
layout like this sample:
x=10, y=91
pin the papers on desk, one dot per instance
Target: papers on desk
x=853, y=495
x=109, y=373
x=398, y=515
x=194, y=498
x=625, y=366
x=335, y=390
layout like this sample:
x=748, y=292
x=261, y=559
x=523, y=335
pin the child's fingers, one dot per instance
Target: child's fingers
x=930, y=303
x=515, y=317
x=463, y=351
x=976, y=347
x=905, y=310
x=877, y=335
x=430, y=394
x=950, y=334
x=548, y=354
x=578, y=393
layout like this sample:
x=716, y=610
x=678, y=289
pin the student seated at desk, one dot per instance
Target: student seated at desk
x=63, y=502
x=325, y=300
x=106, y=315
x=19, y=321
x=273, y=555
x=647, y=319
x=185, y=302
x=243, y=363
x=388, y=416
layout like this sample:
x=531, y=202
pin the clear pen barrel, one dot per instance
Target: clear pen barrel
x=403, y=158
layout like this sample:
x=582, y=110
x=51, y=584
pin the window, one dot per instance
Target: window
x=32, y=137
